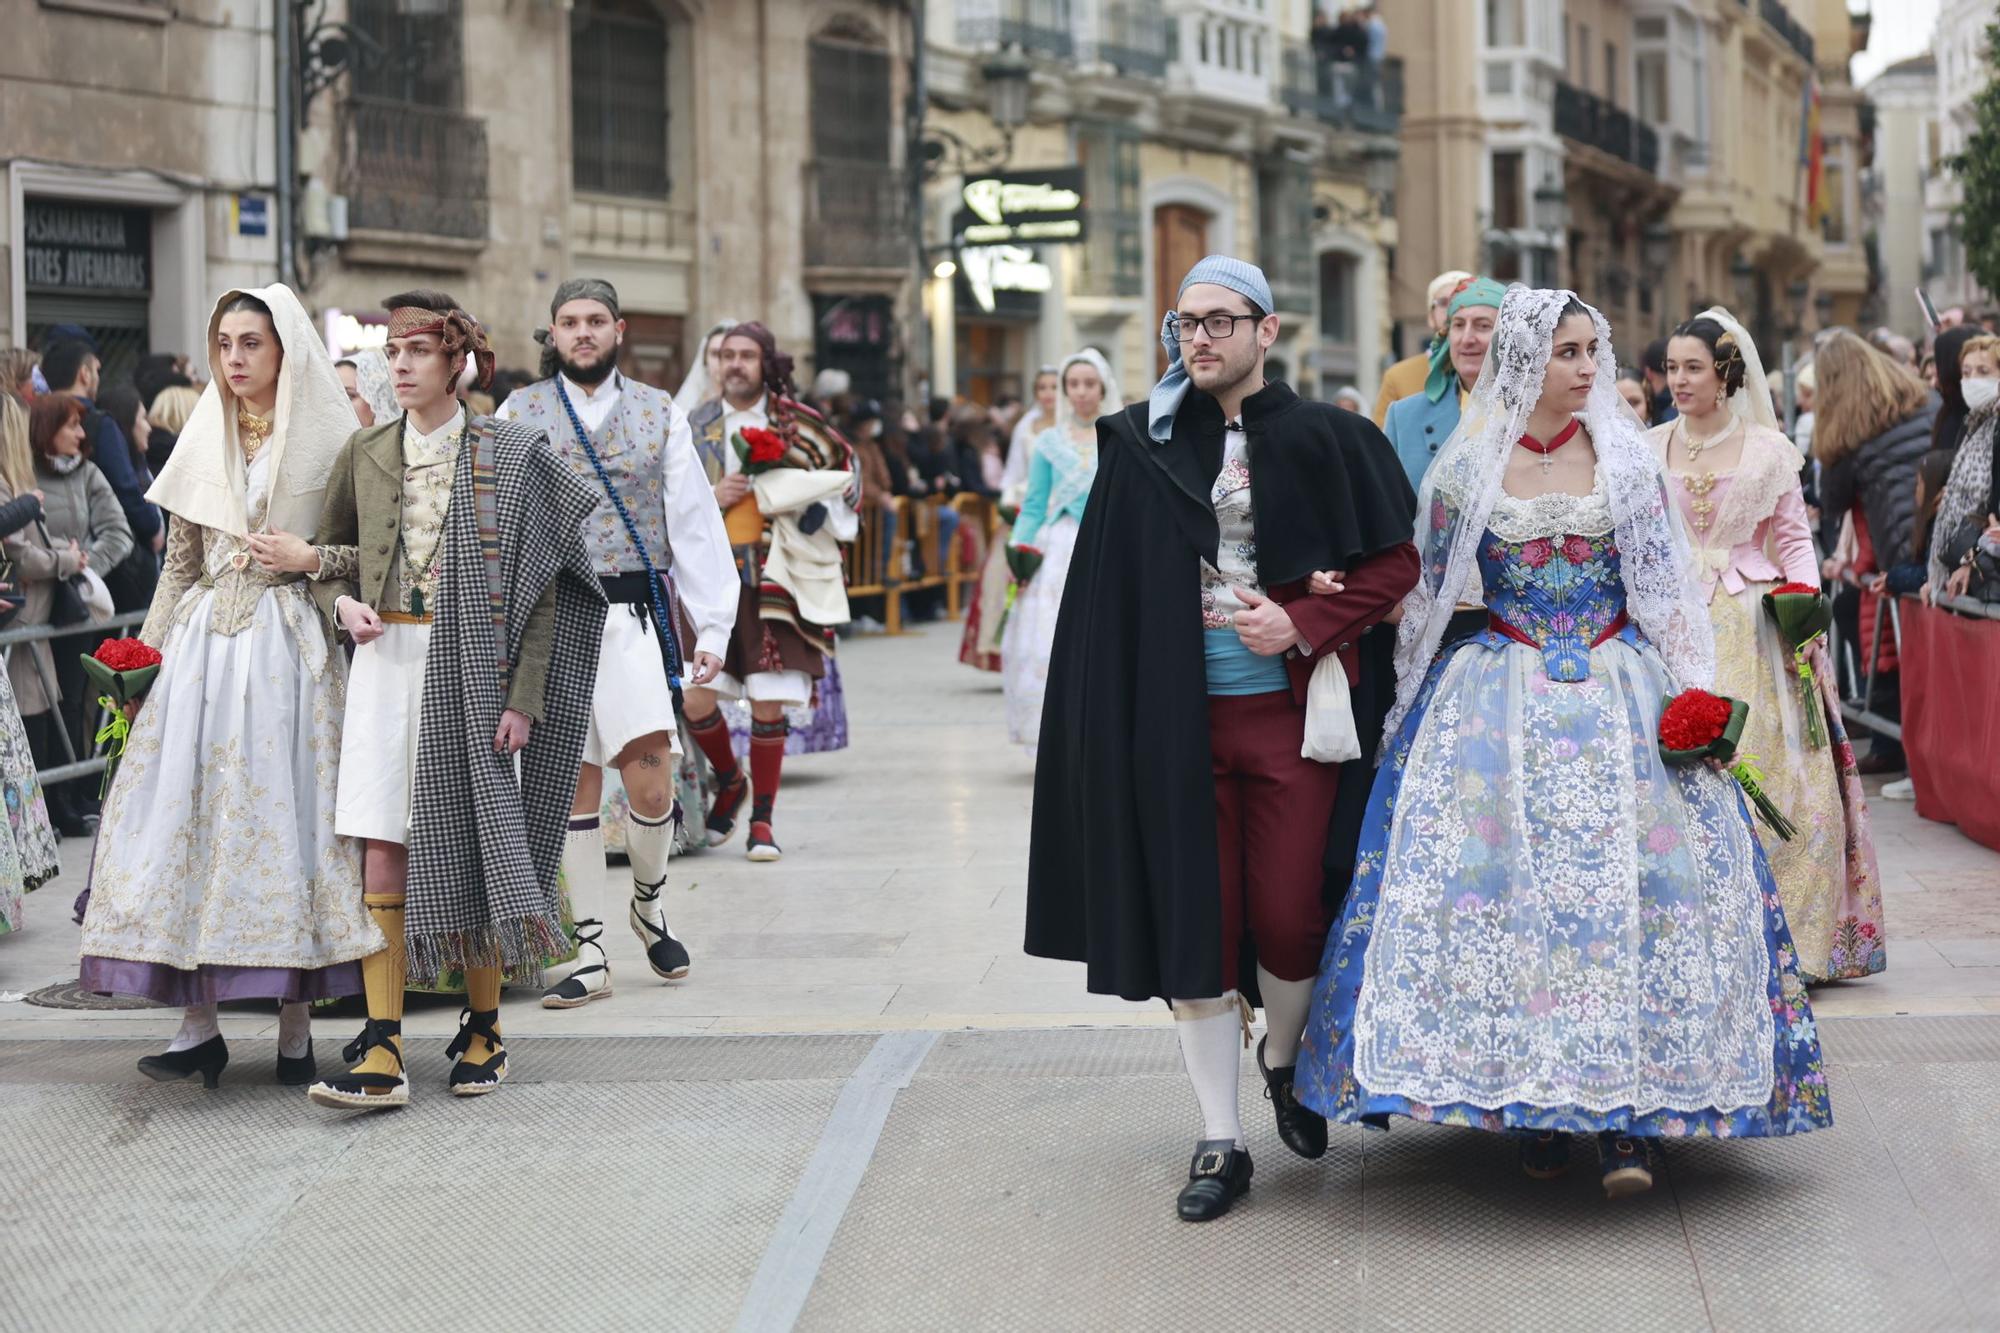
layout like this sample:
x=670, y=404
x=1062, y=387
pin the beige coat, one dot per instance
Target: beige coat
x=80, y=505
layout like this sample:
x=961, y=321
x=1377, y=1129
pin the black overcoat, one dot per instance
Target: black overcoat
x=1122, y=862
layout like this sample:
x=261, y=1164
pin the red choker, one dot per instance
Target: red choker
x=1533, y=445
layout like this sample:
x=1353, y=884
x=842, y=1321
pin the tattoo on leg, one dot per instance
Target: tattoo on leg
x=649, y=761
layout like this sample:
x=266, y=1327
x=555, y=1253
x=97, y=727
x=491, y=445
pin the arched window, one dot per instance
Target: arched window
x=618, y=98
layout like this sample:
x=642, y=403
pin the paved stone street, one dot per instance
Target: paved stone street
x=866, y=1109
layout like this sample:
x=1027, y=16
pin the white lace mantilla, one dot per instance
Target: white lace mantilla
x=1552, y=515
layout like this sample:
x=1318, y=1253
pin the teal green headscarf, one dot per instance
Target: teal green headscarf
x=1479, y=291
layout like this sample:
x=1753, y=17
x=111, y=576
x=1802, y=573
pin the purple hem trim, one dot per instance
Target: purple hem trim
x=172, y=987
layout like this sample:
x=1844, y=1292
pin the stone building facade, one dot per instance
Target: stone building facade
x=1192, y=126
x=136, y=141
x=1644, y=152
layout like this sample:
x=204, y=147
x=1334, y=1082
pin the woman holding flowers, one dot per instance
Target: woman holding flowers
x=1735, y=479
x=218, y=875
x=1551, y=932
x=1059, y=477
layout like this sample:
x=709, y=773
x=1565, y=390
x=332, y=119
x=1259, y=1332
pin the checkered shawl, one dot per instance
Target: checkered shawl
x=484, y=849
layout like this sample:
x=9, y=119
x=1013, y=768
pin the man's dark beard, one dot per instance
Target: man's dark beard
x=589, y=376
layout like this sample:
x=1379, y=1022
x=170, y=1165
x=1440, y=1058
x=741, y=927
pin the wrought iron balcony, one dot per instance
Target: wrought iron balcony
x=1789, y=29
x=1589, y=119
x=1032, y=25
x=414, y=169
x=857, y=215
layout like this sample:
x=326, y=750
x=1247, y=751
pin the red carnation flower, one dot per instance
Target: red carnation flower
x=126, y=654
x=1694, y=720
x=1795, y=589
x=765, y=446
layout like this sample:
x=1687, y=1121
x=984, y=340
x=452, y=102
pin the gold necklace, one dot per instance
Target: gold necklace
x=1694, y=446
x=253, y=430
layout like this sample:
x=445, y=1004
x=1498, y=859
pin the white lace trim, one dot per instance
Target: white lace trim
x=1554, y=515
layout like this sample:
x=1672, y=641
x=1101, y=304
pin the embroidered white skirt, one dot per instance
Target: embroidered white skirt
x=631, y=698
x=378, y=762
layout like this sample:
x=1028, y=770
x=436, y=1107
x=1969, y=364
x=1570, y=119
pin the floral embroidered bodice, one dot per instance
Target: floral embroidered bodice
x=1551, y=573
x=1236, y=554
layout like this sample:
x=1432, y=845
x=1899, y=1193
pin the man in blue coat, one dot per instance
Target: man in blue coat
x=1419, y=425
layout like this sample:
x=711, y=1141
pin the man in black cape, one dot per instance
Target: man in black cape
x=1181, y=838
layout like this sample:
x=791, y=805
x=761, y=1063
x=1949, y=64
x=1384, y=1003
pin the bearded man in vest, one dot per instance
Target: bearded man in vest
x=630, y=443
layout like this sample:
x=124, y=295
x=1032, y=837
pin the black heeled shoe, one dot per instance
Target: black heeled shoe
x=206, y=1059
x=1302, y=1128
x=470, y=1078
x=1217, y=1178
x=298, y=1071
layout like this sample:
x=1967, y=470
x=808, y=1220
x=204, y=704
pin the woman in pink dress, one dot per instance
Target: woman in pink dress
x=1735, y=478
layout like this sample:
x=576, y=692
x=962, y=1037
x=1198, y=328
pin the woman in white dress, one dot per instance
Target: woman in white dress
x=218, y=875
x=1059, y=477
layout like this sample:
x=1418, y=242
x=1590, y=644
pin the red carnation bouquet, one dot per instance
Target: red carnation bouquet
x=123, y=670
x=759, y=450
x=1696, y=725
x=1803, y=616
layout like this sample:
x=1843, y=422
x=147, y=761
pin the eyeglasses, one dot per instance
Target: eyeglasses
x=1217, y=325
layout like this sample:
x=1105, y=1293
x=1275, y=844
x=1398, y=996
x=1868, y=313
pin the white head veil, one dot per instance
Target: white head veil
x=1089, y=356
x=1459, y=492
x=1074, y=470
x=371, y=378
x=698, y=388
x=1750, y=404
x=205, y=480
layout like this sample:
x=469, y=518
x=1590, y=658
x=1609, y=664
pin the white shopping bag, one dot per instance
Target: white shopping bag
x=1330, y=737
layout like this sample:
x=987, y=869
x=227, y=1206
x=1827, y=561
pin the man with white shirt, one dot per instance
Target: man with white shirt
x=787, y=486
x=632, y=444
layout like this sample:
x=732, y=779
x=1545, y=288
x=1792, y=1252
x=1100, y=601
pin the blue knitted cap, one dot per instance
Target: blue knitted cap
x=1239, y=276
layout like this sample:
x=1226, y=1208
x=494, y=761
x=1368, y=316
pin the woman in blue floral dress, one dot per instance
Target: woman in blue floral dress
x=1551, y=933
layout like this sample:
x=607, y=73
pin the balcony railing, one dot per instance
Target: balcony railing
x=414, y=169
x=1133, y=39
x=857, y=215
x=1589, y=119
x=1032, y=25
x=1344, y=93
x=1790, y=29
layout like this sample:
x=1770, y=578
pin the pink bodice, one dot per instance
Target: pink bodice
x=1748, y=525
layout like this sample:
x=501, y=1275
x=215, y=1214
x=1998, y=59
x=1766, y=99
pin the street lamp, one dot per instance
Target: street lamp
x=1007, y=75
x=1551, y=207
x=1656, y=249
x=1744, y=274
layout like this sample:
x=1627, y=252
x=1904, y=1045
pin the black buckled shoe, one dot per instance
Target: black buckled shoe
x=300, y=1070
x=1218, y=1176
x=1302, y=1129
x=206, y=1059
x=475, y=1078
x=361, y=1089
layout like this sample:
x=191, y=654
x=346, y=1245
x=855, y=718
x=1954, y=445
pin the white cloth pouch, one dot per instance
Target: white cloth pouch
x=1330, y=736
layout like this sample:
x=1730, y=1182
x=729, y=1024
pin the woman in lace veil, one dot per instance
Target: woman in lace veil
x=701, y=383
x=1550, y=932
x=1735, y=479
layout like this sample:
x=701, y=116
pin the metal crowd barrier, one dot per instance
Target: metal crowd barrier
x=119, y=626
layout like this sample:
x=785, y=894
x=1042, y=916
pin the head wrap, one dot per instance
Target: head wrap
x=777, y=366
x=1444, y=284
x=586, y=289
x=371, y=378
x=1471, y=292
x=697, y=388
x=1239, y=276
x=459, y=333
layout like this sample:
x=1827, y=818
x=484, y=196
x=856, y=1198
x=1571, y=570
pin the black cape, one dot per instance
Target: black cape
x=1122, y=862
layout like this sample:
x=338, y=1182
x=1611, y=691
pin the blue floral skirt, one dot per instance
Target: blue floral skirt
x=1550, y=930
